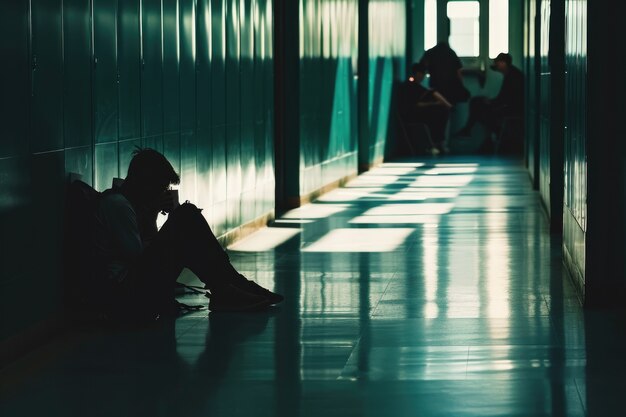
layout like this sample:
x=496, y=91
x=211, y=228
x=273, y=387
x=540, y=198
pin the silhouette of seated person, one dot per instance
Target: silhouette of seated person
x=491, y=112
x=137, y=265
x=418, y=104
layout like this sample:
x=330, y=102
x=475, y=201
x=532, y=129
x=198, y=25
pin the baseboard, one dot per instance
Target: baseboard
x=576, y=276
x=245, y=229
x=295, y=202
x=366, y=167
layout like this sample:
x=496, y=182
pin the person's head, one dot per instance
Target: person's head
x=502, y=62
x=149, y=174
x=418, y=72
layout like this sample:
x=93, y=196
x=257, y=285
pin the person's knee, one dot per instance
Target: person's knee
x=187, y=207
x=186, y=212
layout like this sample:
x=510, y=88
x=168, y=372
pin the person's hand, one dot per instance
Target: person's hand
x=166, y=203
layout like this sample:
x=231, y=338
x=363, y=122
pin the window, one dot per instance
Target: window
x=464, y=27
x=498, y=27
x=430, y=24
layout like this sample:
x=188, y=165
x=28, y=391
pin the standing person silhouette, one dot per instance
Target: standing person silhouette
x=444, y=67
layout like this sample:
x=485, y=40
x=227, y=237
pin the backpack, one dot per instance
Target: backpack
x=80, y=221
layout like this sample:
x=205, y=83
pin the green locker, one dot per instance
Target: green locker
x=125, y=154
x=218, y=115
x=47, y=76
x=14, y=78
x=106, y=164
x=171, y=87
x=77, y=74
x=233, y=127
x=80, y=161
x=105, y=87
x=258, y=79
x=129, y=66
x=171, y=83
x=203, y=100
x=187, y=66
x=151, y=74
x=247, y=103
x=187, y=99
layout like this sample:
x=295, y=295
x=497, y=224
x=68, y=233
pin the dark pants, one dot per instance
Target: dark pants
x=185, y=240
x=436, y=118
x=488, y=114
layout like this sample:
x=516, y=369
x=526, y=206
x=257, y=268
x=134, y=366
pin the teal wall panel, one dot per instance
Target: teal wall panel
x=47, y=76
x=218, y=183
x=111, y=75
x=595, y=152
x=171, y=149
x=386, y=67
x=152, y=74
x=187, y=84
x=79, y=161
x=171, y=80
x=247, y=100
x=327, y=69
x=532, y=72
x=575, y=140
x=77, y=73
x=14, y=77
x=125, y=151
x=544, y=111
x=550, y=104
x=203, y=102
x=129, y=69
x=187, y=65
x=233, y=127
x=105, y=87
x=15, y=239
x=106, y=164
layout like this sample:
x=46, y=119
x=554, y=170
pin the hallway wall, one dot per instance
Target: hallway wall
x=386, y=67
x=328, y=92
x=577, y=107
x=531, y=70
x=575, y=169
x=85, y=81
x=336, y=62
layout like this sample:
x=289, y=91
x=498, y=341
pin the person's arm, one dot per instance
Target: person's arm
x=432, y=98
x=441, y=100
x=147, y=223
x=122, y=221
x=147, y=216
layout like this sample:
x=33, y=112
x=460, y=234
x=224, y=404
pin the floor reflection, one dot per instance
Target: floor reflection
x=426, y=288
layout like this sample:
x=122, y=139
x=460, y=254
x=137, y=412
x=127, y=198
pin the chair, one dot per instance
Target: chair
x=419, y=126
x=511, y=129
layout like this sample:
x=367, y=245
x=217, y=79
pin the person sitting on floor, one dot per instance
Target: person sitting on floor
x=137, y=265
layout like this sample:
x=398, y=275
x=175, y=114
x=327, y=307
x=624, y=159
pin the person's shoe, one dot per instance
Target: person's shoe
x=233, y=299
x=252, y=287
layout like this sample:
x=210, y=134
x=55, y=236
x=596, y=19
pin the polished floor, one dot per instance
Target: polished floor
x=427, y=288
